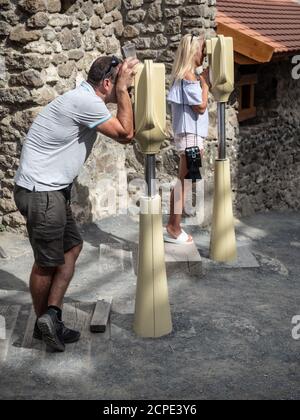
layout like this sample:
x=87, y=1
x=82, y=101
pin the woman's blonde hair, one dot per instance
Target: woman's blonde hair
x=184, y=60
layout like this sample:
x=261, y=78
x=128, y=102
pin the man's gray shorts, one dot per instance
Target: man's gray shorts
x=50, y=224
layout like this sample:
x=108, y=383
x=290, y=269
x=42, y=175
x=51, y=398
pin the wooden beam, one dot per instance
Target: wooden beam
x=242, y=60
x=101, y=316
x=248, y=46
x=247, y=79
x=247, y=114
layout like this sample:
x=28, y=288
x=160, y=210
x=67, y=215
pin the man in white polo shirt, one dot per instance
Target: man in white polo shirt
x=58, y=143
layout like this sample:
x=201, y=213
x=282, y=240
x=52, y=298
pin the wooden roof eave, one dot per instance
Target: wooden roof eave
x=247, y=46
x=242, y=60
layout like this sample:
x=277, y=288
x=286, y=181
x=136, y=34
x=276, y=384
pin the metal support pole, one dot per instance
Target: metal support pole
x=223, y=241
x=150, y=174
x=222, y=130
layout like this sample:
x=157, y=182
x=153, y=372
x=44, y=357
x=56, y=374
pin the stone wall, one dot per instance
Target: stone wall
x=47, y=46
x=156, y=27
x=267, y=170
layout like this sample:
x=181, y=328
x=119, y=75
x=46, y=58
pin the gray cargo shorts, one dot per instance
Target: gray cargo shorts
x=50, y=224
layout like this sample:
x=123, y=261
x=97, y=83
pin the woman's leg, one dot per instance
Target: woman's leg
x=177, y=201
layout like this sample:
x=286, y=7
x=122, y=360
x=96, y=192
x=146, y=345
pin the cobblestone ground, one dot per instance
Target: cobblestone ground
x=232, y=336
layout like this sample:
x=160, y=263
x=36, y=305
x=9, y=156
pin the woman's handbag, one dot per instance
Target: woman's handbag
x=193, y=154
x=194, y=162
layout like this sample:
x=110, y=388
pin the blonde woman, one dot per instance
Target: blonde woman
x=188, y=98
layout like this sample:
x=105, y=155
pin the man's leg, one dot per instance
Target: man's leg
x=62, y=277
x=40, y=284
x=55, y=334
x=59, y=242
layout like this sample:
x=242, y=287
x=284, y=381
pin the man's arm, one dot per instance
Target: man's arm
x=121, y=128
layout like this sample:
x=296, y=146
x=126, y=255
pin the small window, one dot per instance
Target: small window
x=246, y=86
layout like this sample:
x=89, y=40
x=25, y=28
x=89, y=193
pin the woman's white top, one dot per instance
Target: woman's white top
x=184, y=119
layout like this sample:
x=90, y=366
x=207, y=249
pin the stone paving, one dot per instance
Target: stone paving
x=232, y=336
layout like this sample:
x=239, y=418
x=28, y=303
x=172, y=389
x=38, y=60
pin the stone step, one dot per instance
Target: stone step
x=179, y=259
x=183, y=258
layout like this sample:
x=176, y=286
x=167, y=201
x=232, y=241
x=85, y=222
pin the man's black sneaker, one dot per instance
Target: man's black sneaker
x=37, y=333
x=69, y=336
x=52, y=330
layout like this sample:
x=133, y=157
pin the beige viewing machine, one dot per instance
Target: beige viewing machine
x=221, y=63
x=152, y=308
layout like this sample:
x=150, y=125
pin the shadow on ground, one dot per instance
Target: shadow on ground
x=232, y=335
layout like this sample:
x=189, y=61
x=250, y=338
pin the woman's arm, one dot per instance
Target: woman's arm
x=201, y=108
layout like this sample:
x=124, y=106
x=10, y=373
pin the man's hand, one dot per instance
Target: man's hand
x=126, y=74
x=121, y=128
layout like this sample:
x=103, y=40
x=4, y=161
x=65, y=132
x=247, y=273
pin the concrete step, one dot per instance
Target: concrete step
x=183, y=258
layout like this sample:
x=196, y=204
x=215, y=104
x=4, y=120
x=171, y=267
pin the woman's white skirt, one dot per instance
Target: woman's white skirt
x=182, y=141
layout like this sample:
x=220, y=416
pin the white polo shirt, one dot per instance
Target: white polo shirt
x=61, y=139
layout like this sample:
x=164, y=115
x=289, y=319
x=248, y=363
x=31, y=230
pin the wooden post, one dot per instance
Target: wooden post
x=101, y=316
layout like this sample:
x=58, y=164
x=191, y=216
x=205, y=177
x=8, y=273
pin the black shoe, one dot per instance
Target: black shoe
x=68, y=336
x=37, y=333
x=52, y=330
